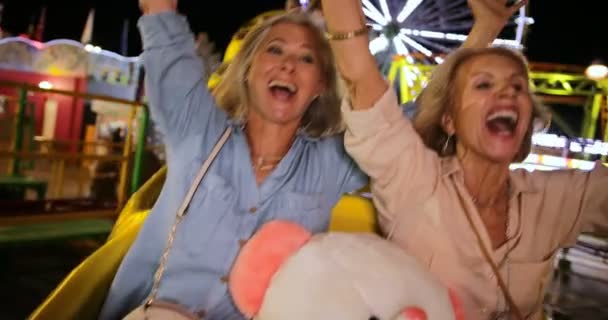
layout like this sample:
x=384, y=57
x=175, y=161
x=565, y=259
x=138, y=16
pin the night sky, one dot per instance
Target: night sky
x=566, y=31
x=66, y=18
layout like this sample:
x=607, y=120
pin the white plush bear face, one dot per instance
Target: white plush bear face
x=334, y=276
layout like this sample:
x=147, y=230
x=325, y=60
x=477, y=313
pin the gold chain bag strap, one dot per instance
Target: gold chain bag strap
x=169, y=310
x=503, y=287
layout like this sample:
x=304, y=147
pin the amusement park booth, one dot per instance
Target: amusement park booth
x=60, y=97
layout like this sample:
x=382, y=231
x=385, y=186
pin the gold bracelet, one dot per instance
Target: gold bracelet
x=346, y=35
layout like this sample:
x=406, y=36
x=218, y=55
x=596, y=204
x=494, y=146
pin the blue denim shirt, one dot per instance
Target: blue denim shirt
x=229, y=205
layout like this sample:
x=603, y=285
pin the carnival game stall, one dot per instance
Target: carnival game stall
x=64, y=110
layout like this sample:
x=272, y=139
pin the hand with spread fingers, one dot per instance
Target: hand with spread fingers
x=494, y=12
x=490, y=16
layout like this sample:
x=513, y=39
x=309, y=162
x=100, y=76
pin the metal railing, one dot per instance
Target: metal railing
x=17, y=154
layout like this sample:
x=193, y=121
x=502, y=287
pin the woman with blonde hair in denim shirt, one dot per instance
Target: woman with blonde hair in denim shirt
x=442, y=184
x=284, y=159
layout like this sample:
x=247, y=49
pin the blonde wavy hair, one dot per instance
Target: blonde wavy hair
x=322, y=118
x=439, y=98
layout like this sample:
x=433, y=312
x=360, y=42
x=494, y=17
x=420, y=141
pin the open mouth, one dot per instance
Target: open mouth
x=282, y=90
x=502, y=122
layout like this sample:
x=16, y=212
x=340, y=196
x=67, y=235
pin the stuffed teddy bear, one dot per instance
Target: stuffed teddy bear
x=284, y=272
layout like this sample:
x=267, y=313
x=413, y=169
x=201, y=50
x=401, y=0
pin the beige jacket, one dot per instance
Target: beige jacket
x=422, y=201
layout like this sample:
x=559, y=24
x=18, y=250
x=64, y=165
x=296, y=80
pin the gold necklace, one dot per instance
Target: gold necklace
x=266, y=163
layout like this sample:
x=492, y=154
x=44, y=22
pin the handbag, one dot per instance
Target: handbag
x=157, y=309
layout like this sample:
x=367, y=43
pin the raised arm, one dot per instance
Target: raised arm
x=177, y=93
x=403, y=172
x=380, y=139
x=356, y=64
x=490, y=17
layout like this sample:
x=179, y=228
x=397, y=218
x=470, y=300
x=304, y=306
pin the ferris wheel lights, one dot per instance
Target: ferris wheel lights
x=508, y=43
x=373, y=13
x=409, y=7
x=400, y=47
x=375, y=16
x=415, y=45
x=455, y=36
x=428, y=27
x=379, y=44
x=596, y=71
x=432, y=34
x=375, y=26
x=525, y=20
x=385, y=10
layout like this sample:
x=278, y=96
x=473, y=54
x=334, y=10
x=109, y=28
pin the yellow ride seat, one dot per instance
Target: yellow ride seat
x=353, y=213
x=81, y=294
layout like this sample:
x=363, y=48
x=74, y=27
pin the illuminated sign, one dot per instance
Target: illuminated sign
x=588, y=146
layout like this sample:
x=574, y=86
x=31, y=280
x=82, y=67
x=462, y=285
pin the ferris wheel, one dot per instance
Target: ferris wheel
x=424, y=30
x=410, y=36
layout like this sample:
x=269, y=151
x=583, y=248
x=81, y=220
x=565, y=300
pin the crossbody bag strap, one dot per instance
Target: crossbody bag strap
x=181, y=212
x=503, y=287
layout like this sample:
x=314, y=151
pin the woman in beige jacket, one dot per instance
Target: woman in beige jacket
x=442, y=185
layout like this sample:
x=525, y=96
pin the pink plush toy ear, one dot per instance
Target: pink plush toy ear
x=414, y=313
x=456, y=304
x=259, y=260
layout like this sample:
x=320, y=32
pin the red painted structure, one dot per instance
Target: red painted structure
x=70, y=109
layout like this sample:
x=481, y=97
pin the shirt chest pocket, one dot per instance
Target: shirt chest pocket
x=303, y=208
x=528, y=283
x=205, y=219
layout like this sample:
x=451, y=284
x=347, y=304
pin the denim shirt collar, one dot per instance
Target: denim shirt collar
x=239, y=126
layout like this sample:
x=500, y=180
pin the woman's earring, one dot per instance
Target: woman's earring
x=446, y=144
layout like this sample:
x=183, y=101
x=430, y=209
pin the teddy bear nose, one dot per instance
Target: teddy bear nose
x=414, y=313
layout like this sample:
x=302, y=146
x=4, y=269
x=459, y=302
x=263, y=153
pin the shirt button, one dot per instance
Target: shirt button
x=224, y=279
x=201, y=313
x=253, y=210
